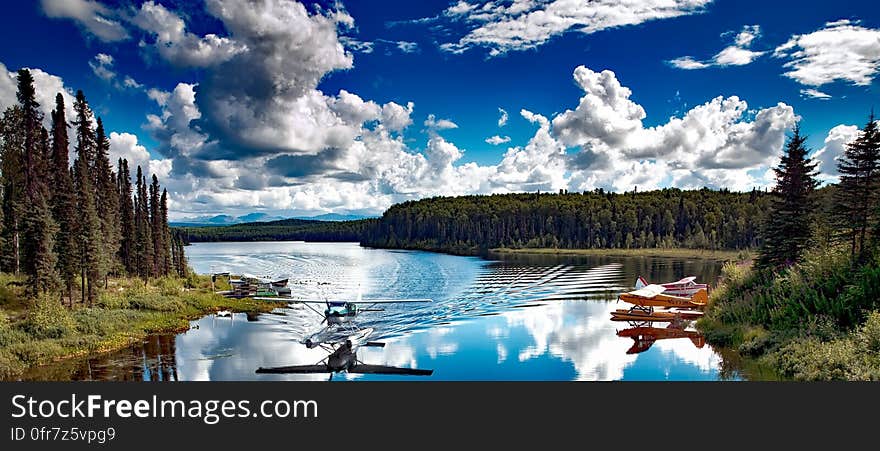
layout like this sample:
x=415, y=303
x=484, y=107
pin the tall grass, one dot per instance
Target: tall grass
x=43, y=330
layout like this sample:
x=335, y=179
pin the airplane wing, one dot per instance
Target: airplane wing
x=294, y=369
x=381, y=369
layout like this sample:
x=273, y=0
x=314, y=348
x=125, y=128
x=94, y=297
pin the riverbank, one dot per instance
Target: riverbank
x=42, y=331
x=817, y=320
x=642, y=252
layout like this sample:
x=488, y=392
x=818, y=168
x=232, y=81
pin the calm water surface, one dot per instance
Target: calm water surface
x=513, y=318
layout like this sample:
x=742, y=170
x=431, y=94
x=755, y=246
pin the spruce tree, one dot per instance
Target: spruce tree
x=64, y=208
x=88, y=232
x=106, y=205
x=12, y=167
x=143, y=237
x=38, y=227
x=857, y=195
x=126, y=218
x=156, y=229
x=166, y=234
x=787, y=230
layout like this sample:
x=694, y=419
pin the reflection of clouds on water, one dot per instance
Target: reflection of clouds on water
x=502, y=353
x=575, y=331
x=683, y=349
x=255, y=344
x=525, y=318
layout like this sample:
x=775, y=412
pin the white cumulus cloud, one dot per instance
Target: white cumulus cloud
x=842, y=50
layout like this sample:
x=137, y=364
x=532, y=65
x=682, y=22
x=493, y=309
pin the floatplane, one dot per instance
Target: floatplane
x=343, y=358
x=683, y=299
x=341, y=312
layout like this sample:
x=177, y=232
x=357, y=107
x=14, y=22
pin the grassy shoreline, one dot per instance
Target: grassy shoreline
x=816, y=320
x=39, y=332
x=647, y=252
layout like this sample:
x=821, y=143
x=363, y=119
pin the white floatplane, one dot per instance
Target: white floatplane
x=685, y=287
x=343, y=358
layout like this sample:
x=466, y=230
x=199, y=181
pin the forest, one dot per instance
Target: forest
x=668, y=218
x=74, y=226
x=282, y=230
x=664, y=218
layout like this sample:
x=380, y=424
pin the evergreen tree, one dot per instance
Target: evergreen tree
x=178, y=256
x=156, y=227
x=857, y=196
x=143, y=238
x=126, y=218
x=106, y=205
x=38, y=227
x=166, y=234
x=64, y=208
x=12, y=168
x=88, y=232
x=788, y=227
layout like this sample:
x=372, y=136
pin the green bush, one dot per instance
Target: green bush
x=99, y=321
x=37, y=352
x=10, y=367
x=47, y=318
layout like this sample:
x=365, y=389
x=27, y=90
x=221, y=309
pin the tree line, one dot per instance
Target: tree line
x=800, y=219
x=66, y=225
x=282, y=230
x=594, y=219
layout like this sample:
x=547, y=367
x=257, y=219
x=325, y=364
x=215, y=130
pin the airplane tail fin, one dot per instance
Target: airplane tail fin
x=641, y=283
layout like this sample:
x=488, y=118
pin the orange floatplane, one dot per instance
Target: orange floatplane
x=653, y=296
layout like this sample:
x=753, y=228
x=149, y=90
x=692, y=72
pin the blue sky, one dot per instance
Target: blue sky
x=300, y=109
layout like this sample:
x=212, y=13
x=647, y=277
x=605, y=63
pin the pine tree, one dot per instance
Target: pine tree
x=857, y=195
x=178, y=256
x=126, y=218
x=106, y=204
x=12, y=168
x=788, y=227
x=156, y=228
x=143, y=238
x=63, y=200
x=38, y=227
x=166, y=234
x=88, y=238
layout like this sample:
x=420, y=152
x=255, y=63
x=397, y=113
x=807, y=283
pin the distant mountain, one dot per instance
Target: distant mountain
x=221, y=220
x=335, y=217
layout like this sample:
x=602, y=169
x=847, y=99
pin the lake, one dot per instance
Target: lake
x=516, y=317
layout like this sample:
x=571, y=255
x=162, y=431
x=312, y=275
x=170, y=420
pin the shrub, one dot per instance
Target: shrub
x=10, y=367
x=47, y=318
x=37, y=352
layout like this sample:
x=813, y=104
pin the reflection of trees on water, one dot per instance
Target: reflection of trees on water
x=656, y=269
x=153, y=360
